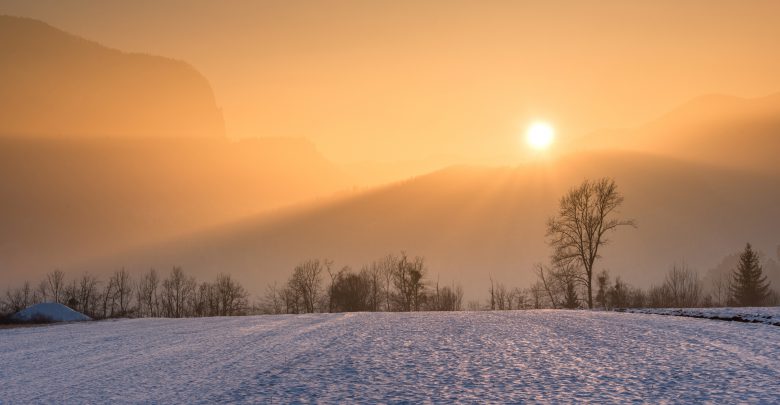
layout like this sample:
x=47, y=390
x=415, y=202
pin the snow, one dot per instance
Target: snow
x=767, y=315
x=51, y=312
x=510, y=356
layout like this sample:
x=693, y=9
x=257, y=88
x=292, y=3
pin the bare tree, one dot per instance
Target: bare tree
x=683, y=287
x=503, y=301
x=451, y=298
x=492, y=295
x=88, y=294
x=306, y=280
x=387, y=269
x=373, y=273
x=546, y=282
x=408, y=281
x=109, y=295
x=721, y=289
x=43, y=291
x=177, y=291
x=273, y=302
x=147, y=294
x=232, y=298
x=520, y=297
x=55, y=284
x=71, y=296
x=19, y=298
x=578, y=231
x=537, y=294
x=123, y=290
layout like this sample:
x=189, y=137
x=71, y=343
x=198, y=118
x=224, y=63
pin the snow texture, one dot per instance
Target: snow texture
x=51, y=312
x=482, y=357
x=767, y=315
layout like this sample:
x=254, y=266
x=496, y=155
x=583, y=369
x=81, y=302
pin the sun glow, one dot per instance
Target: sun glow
x=540, y=135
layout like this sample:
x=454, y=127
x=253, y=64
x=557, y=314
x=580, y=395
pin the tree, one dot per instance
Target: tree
x=492, y=295
x=177, y=292
x=408, y=281
x=683, y=287
x=273, y=299
x=351, y=292
x=148, y=297
x=570, y=298
x=123, y=290
x=231, y=298
x=387, y=270
x=749, y=286
x=374, y=275
x=19, y=298
x=88, y=294
x=721, y=289
x=547, y=284
x=603, y=282
x=335, y=276
x=618, y=295
x=450, y=298
x=537, y=291
x=577, y=233
x=520, y=297
x=306, y=282
x=55, y=284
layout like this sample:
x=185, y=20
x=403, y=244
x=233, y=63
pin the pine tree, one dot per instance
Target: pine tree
x=571, y=301
x=748, y=285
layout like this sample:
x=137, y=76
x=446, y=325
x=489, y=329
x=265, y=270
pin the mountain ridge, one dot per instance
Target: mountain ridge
x=58, y=84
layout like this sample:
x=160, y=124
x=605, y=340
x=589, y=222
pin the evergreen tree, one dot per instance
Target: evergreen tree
x=748, y=284
x=571, y=301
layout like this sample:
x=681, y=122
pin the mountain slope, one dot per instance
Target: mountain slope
x=56, y=84
x=67, y=199
x=472, y=223
x=715, y=129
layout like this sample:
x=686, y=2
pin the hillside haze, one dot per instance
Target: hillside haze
x=68, y=199
x=472, y=223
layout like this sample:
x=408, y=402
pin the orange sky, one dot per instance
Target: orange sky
x=403, y=80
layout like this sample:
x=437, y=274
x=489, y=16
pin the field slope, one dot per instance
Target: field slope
x=438, y=357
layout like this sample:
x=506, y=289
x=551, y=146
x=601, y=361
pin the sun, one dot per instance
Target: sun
x=540, y=135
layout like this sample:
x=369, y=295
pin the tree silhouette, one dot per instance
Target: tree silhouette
x=585, y=216
x=749, y=286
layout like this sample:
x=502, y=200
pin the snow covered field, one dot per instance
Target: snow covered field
x=767, y=315
x=439, y=357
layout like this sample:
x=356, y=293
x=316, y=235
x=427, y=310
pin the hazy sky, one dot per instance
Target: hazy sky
x=407, y=79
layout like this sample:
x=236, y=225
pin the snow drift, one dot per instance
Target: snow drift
x=50, y=311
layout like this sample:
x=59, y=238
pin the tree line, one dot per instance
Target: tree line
x=149, y=295
x=681, y=287
x=395, y=283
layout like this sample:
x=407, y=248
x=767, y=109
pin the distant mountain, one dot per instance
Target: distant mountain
x=67, y=199
x=101, y=150
x=472, y=223
x=715, y=129
x=55, y=84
